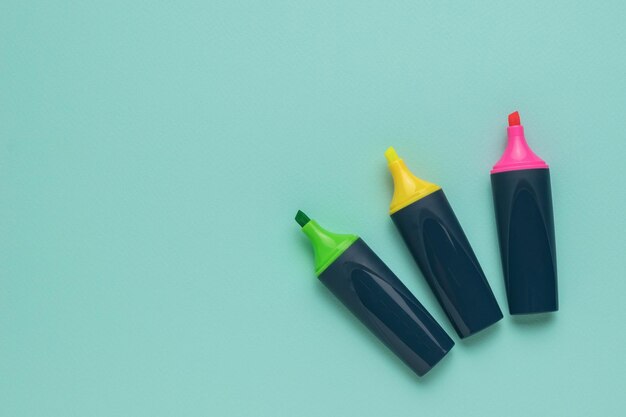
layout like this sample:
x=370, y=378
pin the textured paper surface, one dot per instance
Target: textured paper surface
x=153, y=155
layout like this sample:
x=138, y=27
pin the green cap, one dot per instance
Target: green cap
x=327, y=246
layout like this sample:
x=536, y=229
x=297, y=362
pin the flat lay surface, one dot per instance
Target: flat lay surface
x=153, y=157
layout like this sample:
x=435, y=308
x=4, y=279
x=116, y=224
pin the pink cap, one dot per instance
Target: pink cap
x=517, y=155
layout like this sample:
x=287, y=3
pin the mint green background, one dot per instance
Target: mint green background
x=153, y=155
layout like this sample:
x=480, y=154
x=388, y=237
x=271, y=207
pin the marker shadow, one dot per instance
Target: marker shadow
x=540, y=319
x=478, y=338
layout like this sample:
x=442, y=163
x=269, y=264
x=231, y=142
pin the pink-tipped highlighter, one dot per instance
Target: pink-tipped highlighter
x=523, y=204
x=517, y=155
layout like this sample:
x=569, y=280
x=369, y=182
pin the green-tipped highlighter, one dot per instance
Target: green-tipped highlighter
x=362, y=281
x=327, y=246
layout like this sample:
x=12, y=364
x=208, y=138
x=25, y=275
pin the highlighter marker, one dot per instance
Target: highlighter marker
x=523, y=205
x=438, y=244
x=364, y=284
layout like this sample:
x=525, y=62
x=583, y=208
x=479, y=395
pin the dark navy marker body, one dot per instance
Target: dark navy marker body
x=373, y=293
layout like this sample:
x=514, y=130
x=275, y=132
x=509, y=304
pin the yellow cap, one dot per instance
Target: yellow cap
x=407, y=188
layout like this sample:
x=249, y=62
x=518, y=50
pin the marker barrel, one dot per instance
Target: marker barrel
x=373, y=293
x=523, y=207
x=438, y=244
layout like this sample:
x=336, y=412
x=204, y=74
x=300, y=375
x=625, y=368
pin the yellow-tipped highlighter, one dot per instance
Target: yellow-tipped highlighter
x=407, y=188
x=436, y=240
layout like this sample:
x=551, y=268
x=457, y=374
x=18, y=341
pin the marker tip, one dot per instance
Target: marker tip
x=514, y=119
x=301, y=218
x=391, y=155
